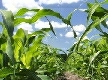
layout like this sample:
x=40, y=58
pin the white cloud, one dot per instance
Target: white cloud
x=84, y=38
x=79, y=28
x=25, y=26
x=82, y=10
x=71, y=34
x=41, y=24
x=28, y=17
x=107, y=22
x=14, y=5
x=58, y=1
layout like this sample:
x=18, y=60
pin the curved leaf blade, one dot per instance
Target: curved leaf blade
x=8, y=20
x=91, y=26
x=22, y=11
x=92, y=10
x=51, y=27
x=38, y=15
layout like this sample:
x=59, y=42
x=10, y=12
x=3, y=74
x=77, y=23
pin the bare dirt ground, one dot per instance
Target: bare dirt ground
x=70, y=76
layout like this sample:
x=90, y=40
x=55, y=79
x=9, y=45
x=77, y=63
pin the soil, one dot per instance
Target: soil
x=70, y=76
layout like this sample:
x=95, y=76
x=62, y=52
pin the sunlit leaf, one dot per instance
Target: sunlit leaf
x=8, y=20
x=38, y=15
x=31, y=37
x=91, y=26
x=94, y=57
x=20, y=34
x=69, y=18
x=22, y=11
x=17, y=49
x=32, y=49
x=92, y=10
x=1, y=59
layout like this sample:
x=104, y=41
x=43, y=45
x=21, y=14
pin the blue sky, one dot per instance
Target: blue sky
x=64, y=39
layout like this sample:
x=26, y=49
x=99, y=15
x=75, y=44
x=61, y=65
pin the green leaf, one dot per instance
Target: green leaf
x=89, y=5
x=22, y=11
x=10, y=51
x=105, y=2
x=3, y=39
x=18, y=45
x=2, y=24
x=27, y=57
x=5, y=60
x=1, y=59
x=46, y=29
x=43, y=31
x=69, y=18
x=104, y=34
x=94, y=57
x=21, y=35
x=44, y=77
x=5, y=72
x=38, y=15
x=31, y=39
x=92, y=10
x=1, y=78
x=75, y=35
x=51, y=27
x=8, y=20
x=90, y=27
x=99, y=28
x=100, y=12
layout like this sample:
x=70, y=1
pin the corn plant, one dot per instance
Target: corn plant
x=88, y=58
x=23, y=55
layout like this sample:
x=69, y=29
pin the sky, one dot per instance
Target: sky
x=64, y=35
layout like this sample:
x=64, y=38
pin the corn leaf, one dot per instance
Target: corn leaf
x=8, y=20
x=38, y=15
x=92, y=10
x=22, y=11
x=91, y=26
